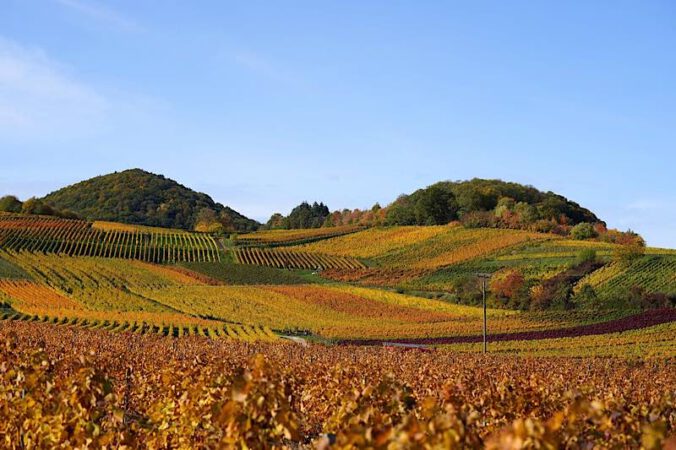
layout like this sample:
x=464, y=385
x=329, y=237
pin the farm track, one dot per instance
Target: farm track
x=633, y=322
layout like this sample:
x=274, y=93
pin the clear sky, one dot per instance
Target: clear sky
x=265, y=104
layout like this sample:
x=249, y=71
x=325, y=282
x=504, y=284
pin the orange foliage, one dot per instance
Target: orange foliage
x=354, y=305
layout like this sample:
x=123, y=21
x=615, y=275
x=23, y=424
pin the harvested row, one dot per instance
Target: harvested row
x=229, y=332
x=79, y=238
x=294, y=260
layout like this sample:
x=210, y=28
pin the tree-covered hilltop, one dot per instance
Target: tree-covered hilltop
x=486, y=202
x=478, y=203
x=143, y=198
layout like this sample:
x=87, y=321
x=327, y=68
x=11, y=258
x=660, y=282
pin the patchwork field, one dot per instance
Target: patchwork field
x=98, y=288
x=262, y=288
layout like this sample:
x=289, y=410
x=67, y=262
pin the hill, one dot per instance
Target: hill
x=476, y=203
x=448, y=200
x=143, y=198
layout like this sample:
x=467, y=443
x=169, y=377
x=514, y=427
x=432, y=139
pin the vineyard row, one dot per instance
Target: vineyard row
x=231, y=331
x=78, y=238
x=294, y=260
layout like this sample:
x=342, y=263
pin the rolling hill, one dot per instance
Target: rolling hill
x=138, y=197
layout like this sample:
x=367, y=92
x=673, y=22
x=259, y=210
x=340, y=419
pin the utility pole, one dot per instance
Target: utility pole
x=484, y=277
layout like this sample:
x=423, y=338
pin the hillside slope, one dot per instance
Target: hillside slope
x=143, y=198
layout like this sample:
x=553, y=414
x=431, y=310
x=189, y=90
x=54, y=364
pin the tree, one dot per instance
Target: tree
x=505, y=205
x=303, y=216
x=227, y=222
x=583, y=231
x=527, y=213
x=435, y=206
x=400, y=212
x=10, y=203
x=584, y=255
x=276, y=221
x=507, y=283
x=586, y=295
x=35, y=206
x=626, y=253
x=207, y=221
x=478, y=219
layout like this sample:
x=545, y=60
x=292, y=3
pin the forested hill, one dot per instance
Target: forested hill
x=139, y=197
x=477, y=203
x=448, y=200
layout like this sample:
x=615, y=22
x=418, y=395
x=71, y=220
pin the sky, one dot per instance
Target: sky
x=265, y=104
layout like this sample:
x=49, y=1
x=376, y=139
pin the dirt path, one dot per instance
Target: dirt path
x=643, y=320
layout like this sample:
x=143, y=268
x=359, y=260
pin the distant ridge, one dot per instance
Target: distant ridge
x=143, y=198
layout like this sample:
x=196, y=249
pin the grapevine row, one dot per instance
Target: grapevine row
x=142, y=391
x=78, y=238
x=229, y=332
x=274, y=238
x=294, y=260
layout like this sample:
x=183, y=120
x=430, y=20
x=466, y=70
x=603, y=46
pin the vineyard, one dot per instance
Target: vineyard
x=144, y=391
x=651, y=342
x=282, y=259
x=273, y=238
x=375, y=242
x=79, y=238
x=654, y=273
x=118, y=226
x=423, y=247
x=536, y=260
x=117, y=324
x=113, y=289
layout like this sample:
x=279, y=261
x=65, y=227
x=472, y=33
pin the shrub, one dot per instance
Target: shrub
x=583, y=231
x=478, y=219
x=10, y=203
x=629, y=252
x=507, y=283
x=584, y=255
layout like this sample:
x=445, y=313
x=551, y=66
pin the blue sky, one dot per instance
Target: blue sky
x=265, y=104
